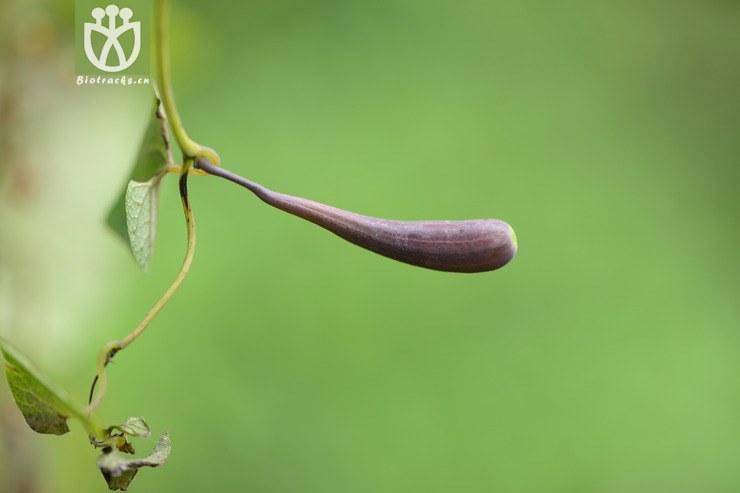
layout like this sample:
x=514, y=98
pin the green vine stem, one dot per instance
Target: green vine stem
x=189, y=147
x=111, y=348
x=191, y=150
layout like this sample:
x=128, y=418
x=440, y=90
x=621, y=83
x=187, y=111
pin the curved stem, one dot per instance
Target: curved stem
x=189, y=147
x=111, y=348
x=176, y=168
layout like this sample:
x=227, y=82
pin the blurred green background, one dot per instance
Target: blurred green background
x=604, y=358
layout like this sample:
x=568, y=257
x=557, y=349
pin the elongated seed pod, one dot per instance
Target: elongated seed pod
x=478, y=245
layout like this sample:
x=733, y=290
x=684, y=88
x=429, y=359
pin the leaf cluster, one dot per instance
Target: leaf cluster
x=45, y=406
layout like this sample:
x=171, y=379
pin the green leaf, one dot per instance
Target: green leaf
x=133, y=427
x=45, y=406
x=136, y=427
x=151, y=161
x=142, y=203
x=119, y=471
x=121, y=482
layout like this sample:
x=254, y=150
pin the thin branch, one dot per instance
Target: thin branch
x=189, y=147
x=109, y=350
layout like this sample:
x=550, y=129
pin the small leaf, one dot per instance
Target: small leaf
x=43, y=404
x=136, y=427
x=119, y=471
x=121, y=482
x=142, y=203
x=153, y=157
x=133, y=427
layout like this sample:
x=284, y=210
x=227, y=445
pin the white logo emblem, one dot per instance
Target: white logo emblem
x=112, y=32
